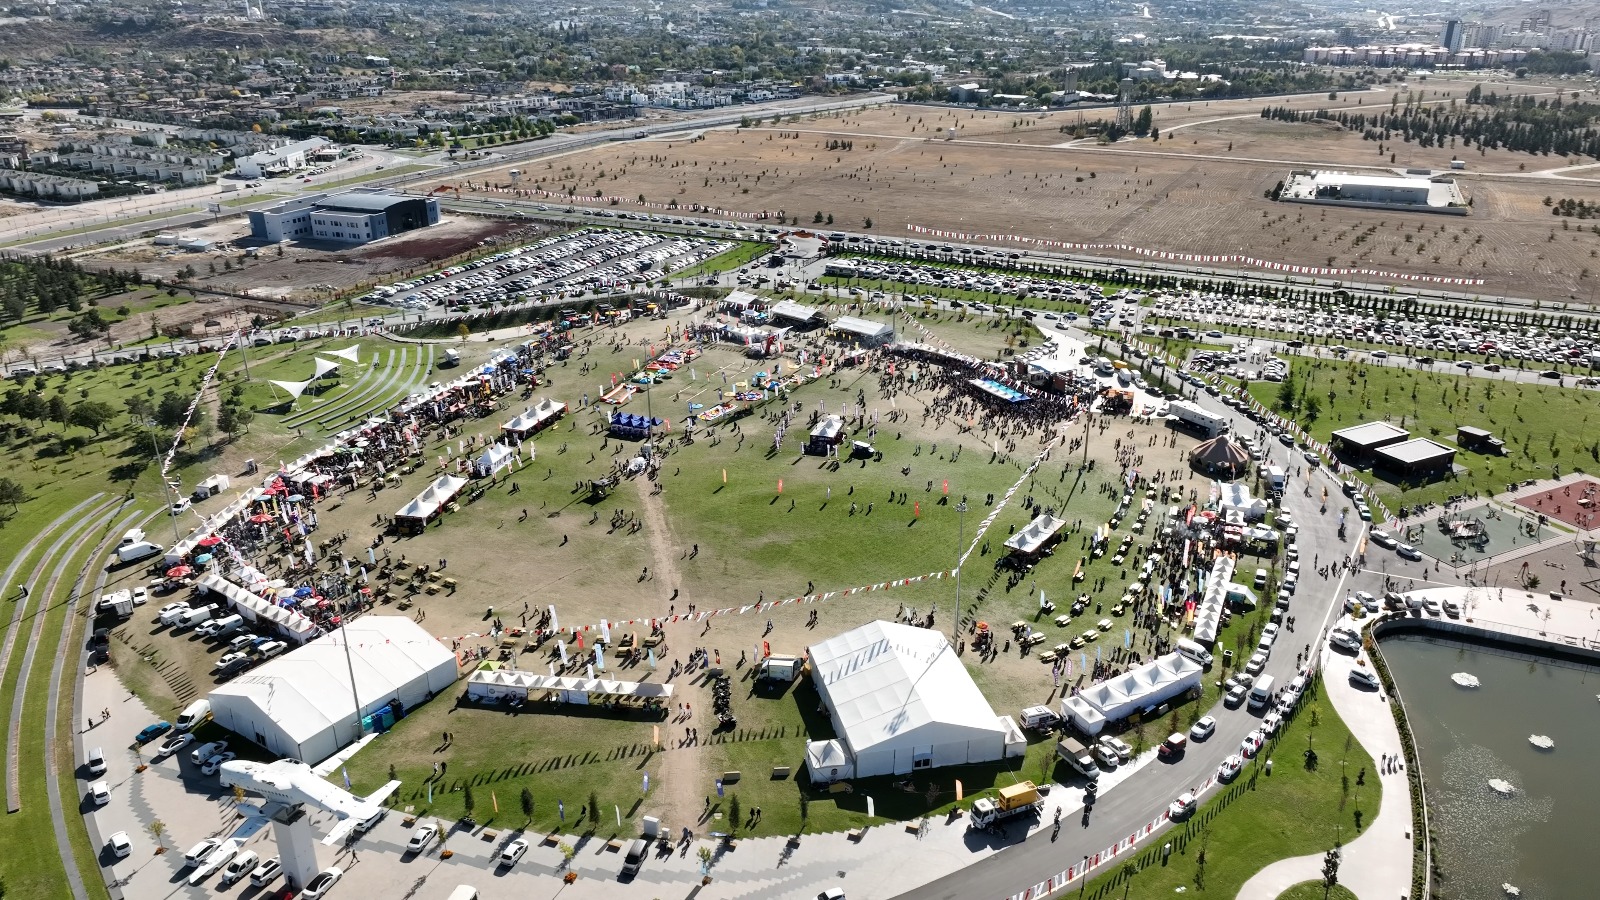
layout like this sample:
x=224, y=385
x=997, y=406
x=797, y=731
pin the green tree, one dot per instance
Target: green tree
x=468, y=802
x=735, y=814
x=91, y=414
x=12, y=492
x=234, y=419
x=527, y=805
x=1330, y=871
x=1142, y=123
x=594, y=808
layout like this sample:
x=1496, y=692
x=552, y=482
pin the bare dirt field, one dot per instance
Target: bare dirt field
x=1209, y=201
x=306, y=271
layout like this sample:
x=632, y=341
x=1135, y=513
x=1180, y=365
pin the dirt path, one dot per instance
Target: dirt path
x=680, y=776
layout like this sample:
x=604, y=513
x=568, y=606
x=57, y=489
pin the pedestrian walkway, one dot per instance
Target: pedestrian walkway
x=1377, y=864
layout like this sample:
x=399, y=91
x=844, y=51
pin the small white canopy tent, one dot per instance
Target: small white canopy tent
x=351, y=353
x=494, y=458
x=828, y=761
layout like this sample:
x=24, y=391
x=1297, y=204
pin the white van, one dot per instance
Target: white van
x=1261, y=692
x=1193, y=650
x=196, y=714
x=464, y=892
x=173, y=616
x=96, y=761
x=193, y=617
x=222, y=627
x=136, y=551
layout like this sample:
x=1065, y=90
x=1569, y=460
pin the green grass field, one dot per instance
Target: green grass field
x=742, y=253
x=1544, y=426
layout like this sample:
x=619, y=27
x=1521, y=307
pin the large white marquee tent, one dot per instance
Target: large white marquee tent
x=901, y=700
x=300, y=705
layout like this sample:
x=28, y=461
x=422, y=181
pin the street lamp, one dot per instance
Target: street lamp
x=961, y=539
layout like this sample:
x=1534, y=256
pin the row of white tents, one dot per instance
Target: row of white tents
x=433, y=498
x=255, y=608
x=489, y=685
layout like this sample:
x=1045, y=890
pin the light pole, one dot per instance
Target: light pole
x=961, y=539
x=166, y=488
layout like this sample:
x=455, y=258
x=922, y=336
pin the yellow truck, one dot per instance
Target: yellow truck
x=1014, y=800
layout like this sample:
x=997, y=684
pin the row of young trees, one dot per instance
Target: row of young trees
x=45, y=284
x=1523, y=125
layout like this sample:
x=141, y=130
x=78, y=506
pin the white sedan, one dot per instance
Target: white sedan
x=215, y=763
x=1251, y=745
x=119, y=844
x=513, y=852
x=1203, y=728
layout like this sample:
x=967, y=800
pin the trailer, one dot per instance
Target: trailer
x=1190, y=417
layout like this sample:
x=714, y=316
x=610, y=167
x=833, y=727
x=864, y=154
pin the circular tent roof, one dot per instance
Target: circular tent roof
x=1220, y=452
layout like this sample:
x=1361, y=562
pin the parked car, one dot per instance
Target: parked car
x=119, y=844
x=200, y=851
x=421, y=837
x=239, y=867
x=513, y=852
x=1203, y=729
x=266, y=872
x=173, y=744
x=214, y=764
x=153, y=731
x=1182, y=807
x=1230, y=768
x=321, y=883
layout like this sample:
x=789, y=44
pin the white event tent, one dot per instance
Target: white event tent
x=1137, y=689
x=494, y=458
x=254, y=608
x=1032, y=539
x=901, y=700
x=535, y=418
x=1208, y=615
x=300, y=705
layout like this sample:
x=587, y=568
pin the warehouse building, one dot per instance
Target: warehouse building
x=350, y=217
x=1418, y=191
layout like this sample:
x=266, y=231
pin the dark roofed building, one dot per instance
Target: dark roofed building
x=1416, y=458
x=1479, y=440
x=1358, y=443
x=349, y=217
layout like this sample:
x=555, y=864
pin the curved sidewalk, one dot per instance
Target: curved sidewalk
x=1376, y=865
